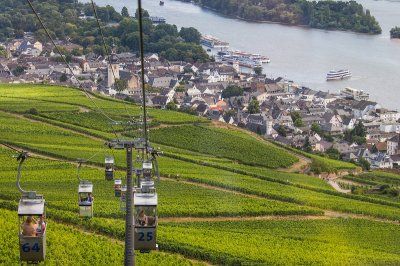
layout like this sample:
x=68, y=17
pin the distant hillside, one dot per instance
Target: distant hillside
x=332, y=15
x=74, y=21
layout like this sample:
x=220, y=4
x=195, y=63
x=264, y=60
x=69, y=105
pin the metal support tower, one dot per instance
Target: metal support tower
x=129, y=226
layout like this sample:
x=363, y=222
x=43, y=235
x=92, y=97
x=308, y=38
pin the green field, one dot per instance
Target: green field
x=71, y=246
x=224, y=143
x=223, y=197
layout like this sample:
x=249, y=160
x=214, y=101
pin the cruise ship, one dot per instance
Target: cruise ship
x=251, y=56
x=242, y=61
x=212, y=42
x=337, y=75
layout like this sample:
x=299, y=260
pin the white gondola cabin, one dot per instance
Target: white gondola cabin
x=109, y=171
x=117, y=187
x=85, y=199
x=146, y=221
x=32, y=233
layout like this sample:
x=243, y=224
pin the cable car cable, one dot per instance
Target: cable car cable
x=107, y=51
x=141, y=50
x=68, y=65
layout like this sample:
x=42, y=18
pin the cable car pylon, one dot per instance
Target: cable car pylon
x=141, y=218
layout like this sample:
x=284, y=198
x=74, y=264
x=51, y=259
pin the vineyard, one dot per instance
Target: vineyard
x=224, y=197
x=223, y=143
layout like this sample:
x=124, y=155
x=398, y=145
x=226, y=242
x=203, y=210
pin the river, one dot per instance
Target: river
x=301, y=54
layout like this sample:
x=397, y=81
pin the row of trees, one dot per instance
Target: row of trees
x=395, y=33
x=120, y=29
x=325, y=14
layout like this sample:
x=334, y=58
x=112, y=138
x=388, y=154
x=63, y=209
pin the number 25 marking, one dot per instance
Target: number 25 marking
x=149, y=236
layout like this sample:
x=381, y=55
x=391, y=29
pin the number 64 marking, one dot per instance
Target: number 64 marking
x=27, y=248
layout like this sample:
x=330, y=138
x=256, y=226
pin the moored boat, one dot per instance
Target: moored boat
x=338, y=74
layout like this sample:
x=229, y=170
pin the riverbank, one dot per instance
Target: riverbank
x=280, y=22
x=299, y=53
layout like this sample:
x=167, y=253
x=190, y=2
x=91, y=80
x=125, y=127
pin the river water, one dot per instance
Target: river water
x=301, y=54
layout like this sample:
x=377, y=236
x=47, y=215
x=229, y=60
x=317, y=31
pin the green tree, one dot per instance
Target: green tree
x=145, y=13
x=231, y=91
x=190, y=34
x=395, y=32
x=364, y=164
x=254, y=106
x=63, y=78
x=281, y=131
x=171, y=106
x=307, y=145
x=316, y=128
x=357, y=134
x=333, y=153
x=3, y=52
x=121, y=85
x=258, y=70
x=124, y=12
x=359, y=130
x=18, y=71
x=296, y=118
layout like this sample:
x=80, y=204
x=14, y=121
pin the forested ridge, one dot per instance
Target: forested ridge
x=333, y=15
x=62, y=17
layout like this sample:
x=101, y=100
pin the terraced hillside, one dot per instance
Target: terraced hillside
x=224, y=195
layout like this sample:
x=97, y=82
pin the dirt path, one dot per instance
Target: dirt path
x=53, y=125
x=336, y=186
x=327, y=213
x=244, y=218
x=111, y=238
x=214, y=188
x=334, y=214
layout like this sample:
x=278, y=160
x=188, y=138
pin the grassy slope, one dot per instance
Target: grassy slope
x=69, y=246
x=318, y=242
x=199, y=201
x=224, y=143
x=217, y=242
x=71, y=145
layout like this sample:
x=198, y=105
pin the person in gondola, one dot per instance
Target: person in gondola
x=142, y=218
x=41, y=226
x=90, y=198
x=29, y=227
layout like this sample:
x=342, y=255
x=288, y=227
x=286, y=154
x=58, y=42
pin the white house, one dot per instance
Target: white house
x=393, y=145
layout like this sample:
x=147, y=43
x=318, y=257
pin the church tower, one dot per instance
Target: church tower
x=112, y=70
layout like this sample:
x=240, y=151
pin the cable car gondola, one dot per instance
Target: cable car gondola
x=145, y=202
x=117, y=187
x=32, y=231
x=85, y=199
x=109, y=171
x=85, y=195
x=146, y=221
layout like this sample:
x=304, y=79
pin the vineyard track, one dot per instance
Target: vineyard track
x=218, y=124
x=328, y=214
x=244, y=218
x=336, y=186
x=334, y=214
x=301, y=166
x=86, y=231
x=214, y=188
x=52, y=125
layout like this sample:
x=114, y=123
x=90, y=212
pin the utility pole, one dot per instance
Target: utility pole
x=129, y=226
